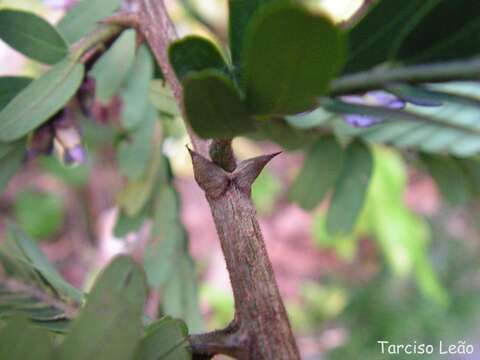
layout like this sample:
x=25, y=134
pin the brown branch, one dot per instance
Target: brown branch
x=360, y=13
x=261, y=329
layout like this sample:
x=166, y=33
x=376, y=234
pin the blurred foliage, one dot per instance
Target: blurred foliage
x=40, y=215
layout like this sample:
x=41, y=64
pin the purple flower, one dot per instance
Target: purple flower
x=381, y=99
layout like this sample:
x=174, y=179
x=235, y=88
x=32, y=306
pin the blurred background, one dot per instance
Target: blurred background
x=409, y=272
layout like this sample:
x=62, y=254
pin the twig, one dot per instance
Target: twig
x=427, y=73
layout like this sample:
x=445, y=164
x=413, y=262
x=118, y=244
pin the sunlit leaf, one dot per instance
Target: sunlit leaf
x=10, y=86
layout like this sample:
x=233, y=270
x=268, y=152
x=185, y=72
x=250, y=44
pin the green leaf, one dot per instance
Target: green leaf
x=180, y=294
x=10, y=161
x=290, y=56
x=110, y=324
x=162, y=98
x=350, y=189
x=240, y=13
x=112, y=68
x=21, y=340
x=137, y=87
x=432, y=30
x=165, y=339
x=213, y=106
x=168, y=265
x=137, y=193
x=32, y=36
x=25, y=250
x=449, y=31
x=320, y=170
x=288, y=137
x=451, y=128
x=449, y=176
x=126, y=224
x=40, y=100
x=84, y=17
x=10, y=86
x=134, y=152
x=40, y=215
x=195, y=53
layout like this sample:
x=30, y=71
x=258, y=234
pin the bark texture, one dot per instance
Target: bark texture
x=260, y=329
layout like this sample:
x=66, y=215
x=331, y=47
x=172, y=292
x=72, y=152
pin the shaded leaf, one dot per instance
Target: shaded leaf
x=320, y=170
x=181, y=295
x=84, y=17
x=137, y=87
x=115, y=306
x=449, y=176
x=432, y=30
x=21, y=340
x=213, y=106
x=10, y=161
x=350, y=189
x=134, y=151
x=165, y=339
x=112, y=68
x=290, y=56
x=19, y=246
x=32, y=36
x=240, y=13
x=10, y=86
x=40, y=100
x=195, y=53
x=40, y=215
x=289, y=137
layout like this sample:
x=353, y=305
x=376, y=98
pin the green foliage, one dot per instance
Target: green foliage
x=214, y=107
x=113, y=67
x=319, y=173
x=75, y=176
x=115, y=306
x=21, y=341
x=134, y=151
x=240, y=13
x=430, y=31
x=164, y=339
x=135, y=99
x=39, y=214
x=32, y=36
x=40, y=100
x=350, y=189
x=194, y=53
x=449, y=176
x=10, y=86
x=290, y=55
x=449, y=128
x=167, y=262
x=265, y=192
x=84, y=18
x=11, y=157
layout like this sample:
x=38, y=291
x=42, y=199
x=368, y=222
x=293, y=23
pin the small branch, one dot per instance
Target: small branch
x=19, y=287
x=101, y=35
x=157, y=27
x=428, y=73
